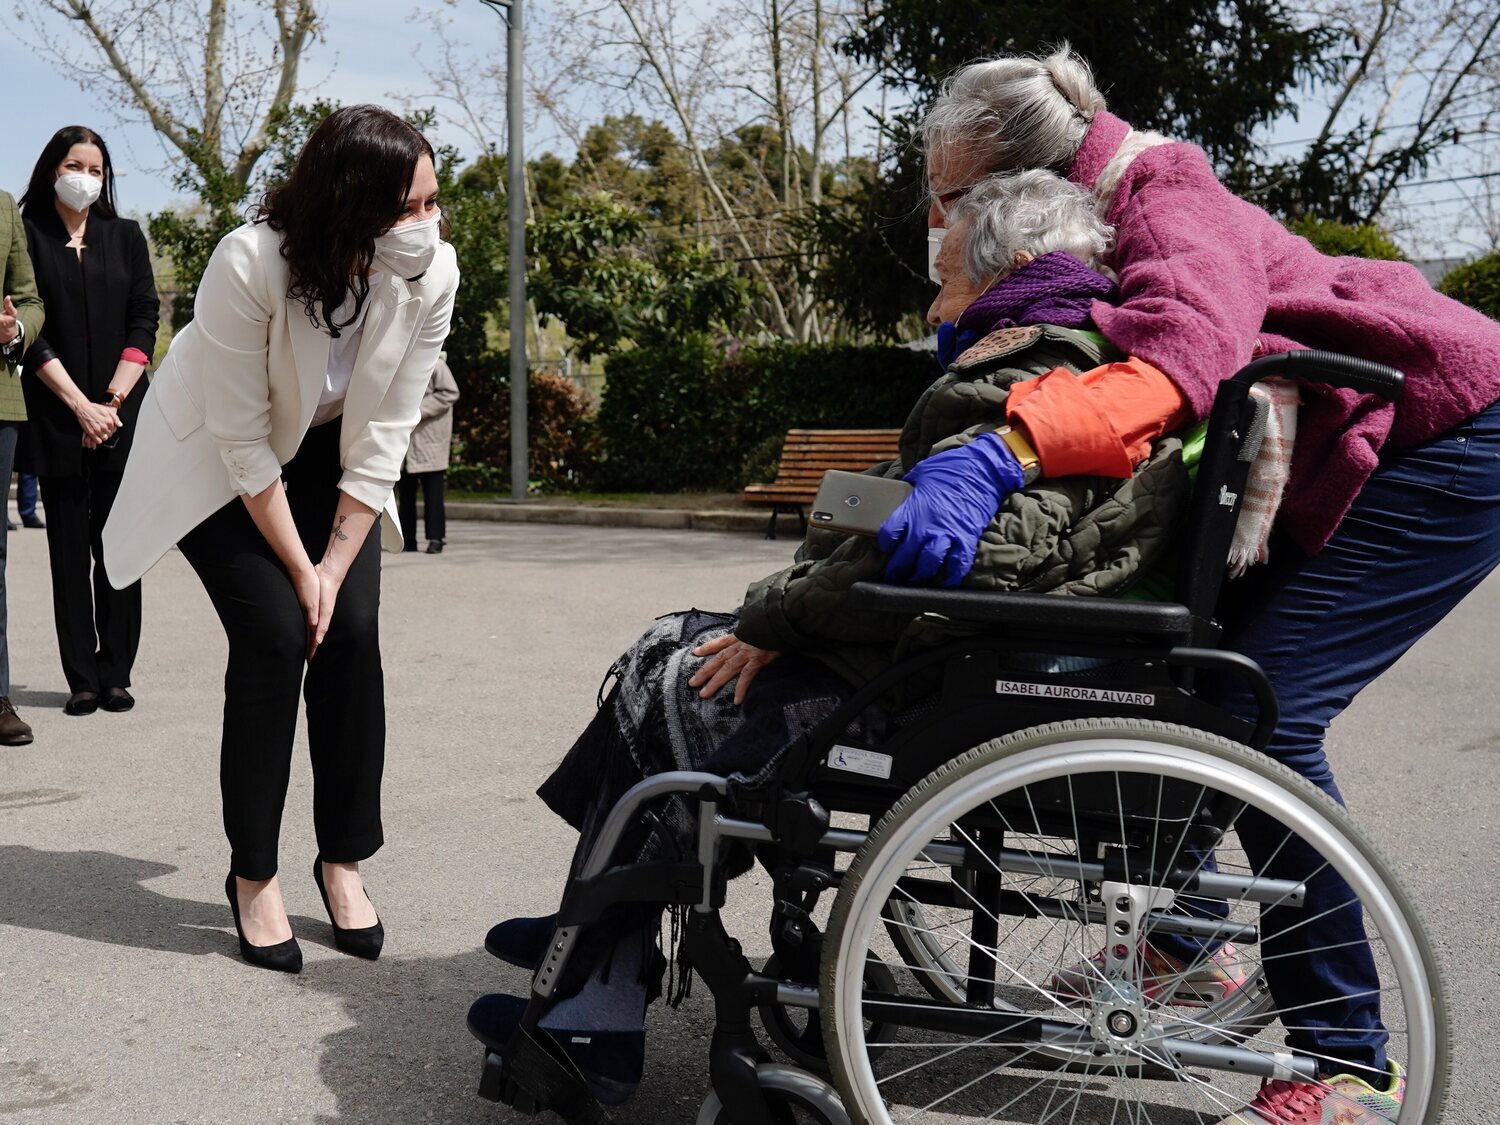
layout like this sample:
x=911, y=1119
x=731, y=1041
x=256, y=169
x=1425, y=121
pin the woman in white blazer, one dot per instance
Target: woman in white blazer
x=272, y=435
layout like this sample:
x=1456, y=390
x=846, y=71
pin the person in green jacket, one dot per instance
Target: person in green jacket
x=20, y=323
x=1018, y=273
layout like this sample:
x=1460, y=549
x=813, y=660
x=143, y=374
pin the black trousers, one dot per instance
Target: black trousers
x=98, y=627
x=344, y=686
x=433, y=514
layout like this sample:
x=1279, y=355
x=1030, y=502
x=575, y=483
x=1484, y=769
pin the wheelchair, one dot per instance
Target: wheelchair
x=999, y=865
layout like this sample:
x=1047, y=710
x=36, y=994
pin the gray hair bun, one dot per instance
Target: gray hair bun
x=1074, y=80
x=1013, y=114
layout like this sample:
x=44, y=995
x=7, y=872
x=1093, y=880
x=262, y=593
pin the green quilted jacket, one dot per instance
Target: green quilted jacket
x=18, y=282
x=1075, y=535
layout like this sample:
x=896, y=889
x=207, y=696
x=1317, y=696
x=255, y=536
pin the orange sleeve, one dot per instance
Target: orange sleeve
x=1100, y=423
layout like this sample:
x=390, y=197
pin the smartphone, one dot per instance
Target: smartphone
x=856, y=503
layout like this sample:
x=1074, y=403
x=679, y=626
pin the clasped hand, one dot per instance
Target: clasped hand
x=99, y=423
x=317, y=589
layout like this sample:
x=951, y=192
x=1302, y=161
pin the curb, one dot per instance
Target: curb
x=670, y=519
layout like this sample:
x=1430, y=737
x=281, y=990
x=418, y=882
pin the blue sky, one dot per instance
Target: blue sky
x=368, y=55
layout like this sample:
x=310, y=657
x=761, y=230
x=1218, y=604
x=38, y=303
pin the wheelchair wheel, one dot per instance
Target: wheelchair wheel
x=931, y=942
x=798, y=1032
x=1077, y=857
x=794, y=1098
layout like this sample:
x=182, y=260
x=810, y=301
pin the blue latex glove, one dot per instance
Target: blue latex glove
x=955, y=495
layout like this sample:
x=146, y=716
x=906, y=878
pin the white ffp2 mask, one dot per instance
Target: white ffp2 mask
x=408, y=250
x=935, y=236
x=77, y=190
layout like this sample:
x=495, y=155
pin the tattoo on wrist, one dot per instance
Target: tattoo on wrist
x=338, y=529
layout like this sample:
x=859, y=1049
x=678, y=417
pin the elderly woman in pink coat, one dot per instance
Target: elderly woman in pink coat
x=1391, y=512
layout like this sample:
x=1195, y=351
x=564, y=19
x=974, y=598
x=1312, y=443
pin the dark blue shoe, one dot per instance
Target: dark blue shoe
x=521, y=942
x=610, y=1062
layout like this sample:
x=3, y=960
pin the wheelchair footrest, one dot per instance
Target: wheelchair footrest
x=531, y=1079
x=490, y=1084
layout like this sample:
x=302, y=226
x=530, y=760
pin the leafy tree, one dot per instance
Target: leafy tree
x=1409, y=89
x=595, y=272
x=1207, y=71
x=474, y=207
x=642, y=164
x=1476, y=284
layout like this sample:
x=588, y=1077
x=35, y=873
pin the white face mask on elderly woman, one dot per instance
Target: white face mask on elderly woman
x=77, y=190
x=408, y=250
x=935, y=236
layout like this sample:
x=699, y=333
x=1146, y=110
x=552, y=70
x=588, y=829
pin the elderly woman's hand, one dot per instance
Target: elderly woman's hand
x=729, y=657
x=954, y=496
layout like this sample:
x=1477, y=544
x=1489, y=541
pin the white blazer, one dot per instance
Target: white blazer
x=234, y=396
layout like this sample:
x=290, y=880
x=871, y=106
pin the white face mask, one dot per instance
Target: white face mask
x=408, y=250
x=77, y=190
x=935, y=236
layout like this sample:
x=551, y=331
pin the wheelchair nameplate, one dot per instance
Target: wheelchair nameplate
x=1075, y=691
x=854, y=760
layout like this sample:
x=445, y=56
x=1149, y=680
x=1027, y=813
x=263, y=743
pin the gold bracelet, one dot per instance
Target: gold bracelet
x=1025, y=455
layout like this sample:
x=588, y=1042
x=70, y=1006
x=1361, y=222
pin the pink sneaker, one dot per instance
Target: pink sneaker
x=1340, y=1100
x=1164, y=979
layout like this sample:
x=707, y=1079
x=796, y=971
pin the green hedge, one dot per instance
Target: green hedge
x=1476, y=284
x=690, y=415
x=1347, y=240
x=560, y=432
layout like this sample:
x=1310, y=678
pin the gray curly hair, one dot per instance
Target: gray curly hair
x=1035, y=211
x=1013, y=114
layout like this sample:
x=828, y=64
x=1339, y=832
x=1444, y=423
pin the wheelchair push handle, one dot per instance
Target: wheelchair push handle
x=1362, y=375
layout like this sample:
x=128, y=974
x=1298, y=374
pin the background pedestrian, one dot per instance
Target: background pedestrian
x=20, y=323
x=427, y=461
x=83, y=392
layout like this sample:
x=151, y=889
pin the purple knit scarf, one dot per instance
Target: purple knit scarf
x=1055, y=288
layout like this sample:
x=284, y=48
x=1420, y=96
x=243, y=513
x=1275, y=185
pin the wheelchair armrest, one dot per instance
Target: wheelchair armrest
x=1093, y=617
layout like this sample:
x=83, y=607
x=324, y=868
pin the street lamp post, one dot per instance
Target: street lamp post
x=515, y=206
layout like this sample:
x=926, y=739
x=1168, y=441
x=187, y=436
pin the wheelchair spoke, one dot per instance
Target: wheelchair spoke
x=987, y=880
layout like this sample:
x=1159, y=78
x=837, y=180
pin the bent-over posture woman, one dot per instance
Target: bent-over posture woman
x=273, y=435
x=82, y=382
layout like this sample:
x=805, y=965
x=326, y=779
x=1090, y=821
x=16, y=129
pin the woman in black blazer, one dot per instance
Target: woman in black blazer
x=83, y=389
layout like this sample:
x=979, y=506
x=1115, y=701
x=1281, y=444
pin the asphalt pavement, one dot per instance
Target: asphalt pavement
x=122, y=997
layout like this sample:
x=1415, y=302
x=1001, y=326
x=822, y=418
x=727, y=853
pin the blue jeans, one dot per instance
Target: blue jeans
x=26, y=495
x=9, y=431
x=1422, y=533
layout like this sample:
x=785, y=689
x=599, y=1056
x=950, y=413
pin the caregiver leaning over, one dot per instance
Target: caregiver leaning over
x=314, y=330
x=1391, y=514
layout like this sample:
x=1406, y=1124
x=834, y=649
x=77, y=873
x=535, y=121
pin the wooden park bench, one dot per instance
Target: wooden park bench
x=806, y=456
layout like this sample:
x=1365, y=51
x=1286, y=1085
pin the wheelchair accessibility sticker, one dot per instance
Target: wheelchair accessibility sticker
x=1073, y=691
x=851, y=759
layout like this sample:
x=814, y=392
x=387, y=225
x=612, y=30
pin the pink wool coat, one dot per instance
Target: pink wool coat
x=1208, y=281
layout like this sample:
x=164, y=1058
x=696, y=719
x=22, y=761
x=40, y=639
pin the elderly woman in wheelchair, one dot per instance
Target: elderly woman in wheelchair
x=1071, y=875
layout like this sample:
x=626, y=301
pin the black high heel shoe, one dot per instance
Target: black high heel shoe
x=284, y=957
x=364, y=942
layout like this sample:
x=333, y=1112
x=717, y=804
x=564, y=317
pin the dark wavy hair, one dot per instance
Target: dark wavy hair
x=39, y=191
x=348, y=186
